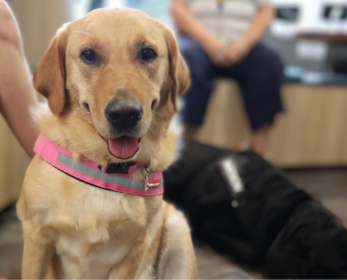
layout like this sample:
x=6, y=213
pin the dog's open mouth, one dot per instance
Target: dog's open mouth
x=123, y=147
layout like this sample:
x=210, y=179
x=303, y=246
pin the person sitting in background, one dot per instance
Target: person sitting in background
x=221, y=38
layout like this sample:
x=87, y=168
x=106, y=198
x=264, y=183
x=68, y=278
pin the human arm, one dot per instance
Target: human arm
x=239, y=48
x=17, y=94
x=188, y=24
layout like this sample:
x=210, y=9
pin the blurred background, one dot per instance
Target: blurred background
x=311, y=37
x=310, y=138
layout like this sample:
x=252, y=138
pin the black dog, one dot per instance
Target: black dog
x=244, y=207
x=313, y=244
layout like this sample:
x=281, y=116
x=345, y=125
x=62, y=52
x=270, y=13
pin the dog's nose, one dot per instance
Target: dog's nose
x=124, y=113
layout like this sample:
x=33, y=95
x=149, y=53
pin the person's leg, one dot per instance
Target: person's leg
x=17, y=94
x=96, y=4
x=260, y=76
x=197, y=96
x=260, y=139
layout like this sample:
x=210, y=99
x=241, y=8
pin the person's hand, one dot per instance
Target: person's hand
x=238, y=50
x=217, y=52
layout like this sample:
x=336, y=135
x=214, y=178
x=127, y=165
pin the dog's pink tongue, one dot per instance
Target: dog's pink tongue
x=123, y=147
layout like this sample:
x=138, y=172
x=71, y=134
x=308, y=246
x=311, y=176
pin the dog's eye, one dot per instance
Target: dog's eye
x=88, y=56
x=148, y=54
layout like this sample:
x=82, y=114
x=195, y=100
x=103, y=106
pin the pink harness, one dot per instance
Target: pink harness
x=88, y=171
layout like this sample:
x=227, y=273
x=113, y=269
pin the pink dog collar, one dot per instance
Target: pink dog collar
x=88, y=171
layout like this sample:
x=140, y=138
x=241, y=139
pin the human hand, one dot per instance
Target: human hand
x=238, y=50
x=217, y=52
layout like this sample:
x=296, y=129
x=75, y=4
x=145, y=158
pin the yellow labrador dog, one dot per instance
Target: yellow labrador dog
x=111, y=79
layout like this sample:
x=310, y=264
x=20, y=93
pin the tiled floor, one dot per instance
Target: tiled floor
x=329, y=186
x=11, y=243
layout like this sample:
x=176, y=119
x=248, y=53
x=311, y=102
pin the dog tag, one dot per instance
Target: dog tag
x=146, y=184
x=148, y=170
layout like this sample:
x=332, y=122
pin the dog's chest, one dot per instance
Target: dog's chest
x=94, y=229
x=100, y=231
x=97, y=231
x=80, y=258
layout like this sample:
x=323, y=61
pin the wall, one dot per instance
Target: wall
x=38, y=21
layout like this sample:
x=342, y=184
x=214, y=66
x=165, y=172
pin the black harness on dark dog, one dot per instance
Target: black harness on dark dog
x=245, y=208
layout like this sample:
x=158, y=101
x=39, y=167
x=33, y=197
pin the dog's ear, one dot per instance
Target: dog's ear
x=50, y=76
x=179, y=72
